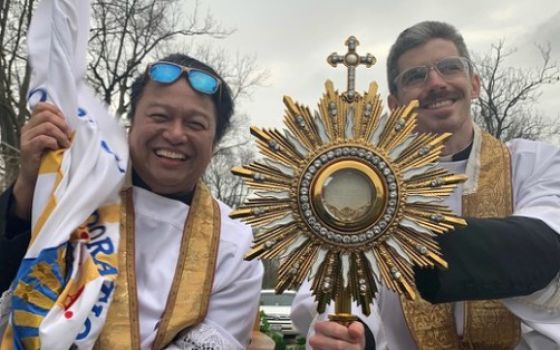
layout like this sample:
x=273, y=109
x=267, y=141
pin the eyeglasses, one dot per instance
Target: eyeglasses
x=448, y=68
x=168, y=73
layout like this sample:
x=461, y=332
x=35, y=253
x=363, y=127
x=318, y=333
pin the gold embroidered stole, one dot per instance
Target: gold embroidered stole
x=190, y=292
x=488, y=324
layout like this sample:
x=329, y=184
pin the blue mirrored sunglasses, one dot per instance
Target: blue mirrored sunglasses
x=168, y=73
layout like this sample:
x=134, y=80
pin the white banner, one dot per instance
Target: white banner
x=67, y=279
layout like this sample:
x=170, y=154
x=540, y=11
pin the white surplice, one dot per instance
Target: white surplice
x=536, y=194
x=159, y=223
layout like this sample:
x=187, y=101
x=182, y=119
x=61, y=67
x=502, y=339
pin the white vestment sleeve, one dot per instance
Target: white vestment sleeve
x=237, y=284
x=536, y=189
x=303, y=309
x=536, y=181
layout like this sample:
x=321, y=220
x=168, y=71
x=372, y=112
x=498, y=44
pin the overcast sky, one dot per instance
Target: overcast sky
x=293, y=38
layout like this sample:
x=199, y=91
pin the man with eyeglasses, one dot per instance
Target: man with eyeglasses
x=502, y=287
x=180, y=108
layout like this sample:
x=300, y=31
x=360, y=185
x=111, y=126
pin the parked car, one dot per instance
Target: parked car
x=277, y=308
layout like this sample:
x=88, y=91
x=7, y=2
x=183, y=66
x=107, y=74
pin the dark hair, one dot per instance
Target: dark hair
x=418, y=35
x=222, y=98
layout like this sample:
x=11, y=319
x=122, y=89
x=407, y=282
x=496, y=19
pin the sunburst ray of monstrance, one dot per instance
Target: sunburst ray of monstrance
x=348, y=197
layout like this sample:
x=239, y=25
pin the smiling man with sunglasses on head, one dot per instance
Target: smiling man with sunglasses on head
x=186, y=285
x=502, y=287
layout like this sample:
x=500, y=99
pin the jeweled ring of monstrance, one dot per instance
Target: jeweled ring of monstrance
x=348, y=197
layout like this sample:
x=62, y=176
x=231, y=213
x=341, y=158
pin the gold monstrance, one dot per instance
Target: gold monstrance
x=348, y=197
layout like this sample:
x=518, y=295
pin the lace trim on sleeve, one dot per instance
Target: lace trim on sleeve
x=201, y=337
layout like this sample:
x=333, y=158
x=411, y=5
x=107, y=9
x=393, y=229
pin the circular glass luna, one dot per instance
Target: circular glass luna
x=349, y=195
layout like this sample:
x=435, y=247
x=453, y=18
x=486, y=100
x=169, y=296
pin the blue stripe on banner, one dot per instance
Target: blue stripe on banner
x=39, y=281
x=36, y=288
x=24, y=332
x=48, y=255
x=46, y=291
x=23, y=305
x=17, y=344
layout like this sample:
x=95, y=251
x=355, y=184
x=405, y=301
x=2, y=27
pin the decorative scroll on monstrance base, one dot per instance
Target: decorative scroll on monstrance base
x=347, y=196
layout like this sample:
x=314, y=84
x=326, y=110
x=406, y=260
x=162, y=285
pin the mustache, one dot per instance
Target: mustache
x=435, y=96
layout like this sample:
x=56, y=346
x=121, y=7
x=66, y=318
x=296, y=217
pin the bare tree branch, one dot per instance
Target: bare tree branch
x=127, y=32
x=234, y=150
x=507, y=103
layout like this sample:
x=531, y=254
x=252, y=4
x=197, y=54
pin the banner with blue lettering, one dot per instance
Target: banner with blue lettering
x=67, y=279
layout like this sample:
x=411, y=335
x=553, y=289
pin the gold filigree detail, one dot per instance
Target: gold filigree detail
x=488, y=324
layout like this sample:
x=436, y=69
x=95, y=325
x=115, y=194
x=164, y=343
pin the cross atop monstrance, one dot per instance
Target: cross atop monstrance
x=351, y=60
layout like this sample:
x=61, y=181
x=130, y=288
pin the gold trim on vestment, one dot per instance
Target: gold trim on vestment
x=121, y=329
x=491, y=326
x=191, y=288
x=195, y=269
x=431, y=326
x=488, y=324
